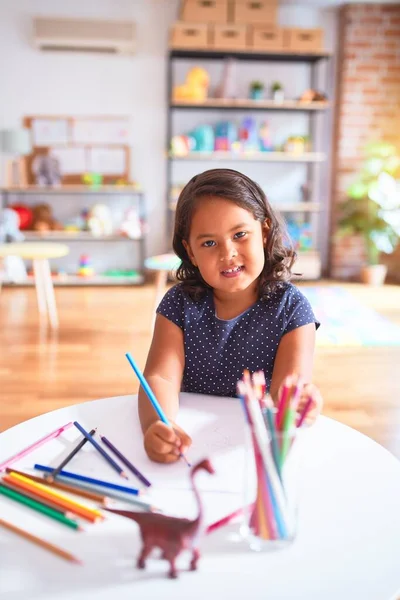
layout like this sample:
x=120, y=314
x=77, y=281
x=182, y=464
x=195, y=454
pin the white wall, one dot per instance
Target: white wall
x=34, y=82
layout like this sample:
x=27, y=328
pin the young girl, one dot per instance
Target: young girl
x=233, y=309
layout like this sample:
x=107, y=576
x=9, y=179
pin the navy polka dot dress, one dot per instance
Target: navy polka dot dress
x=217, y=351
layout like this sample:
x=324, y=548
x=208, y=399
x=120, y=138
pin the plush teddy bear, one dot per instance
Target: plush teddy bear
x=43, y=219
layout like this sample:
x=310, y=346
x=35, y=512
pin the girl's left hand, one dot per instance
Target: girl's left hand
x=310, y=391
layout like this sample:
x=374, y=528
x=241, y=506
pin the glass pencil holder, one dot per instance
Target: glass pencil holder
x=271, y=489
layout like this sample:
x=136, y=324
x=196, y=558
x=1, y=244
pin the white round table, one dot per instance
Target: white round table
x=348, y=544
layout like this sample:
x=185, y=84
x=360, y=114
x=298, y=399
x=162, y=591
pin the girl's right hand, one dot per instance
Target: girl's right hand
x=164, y=443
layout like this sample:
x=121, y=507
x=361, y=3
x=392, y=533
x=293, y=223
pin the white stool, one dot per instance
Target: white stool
x=163, y=265
x=39, y=254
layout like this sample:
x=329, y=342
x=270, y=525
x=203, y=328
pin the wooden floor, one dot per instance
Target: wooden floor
x=41, y=371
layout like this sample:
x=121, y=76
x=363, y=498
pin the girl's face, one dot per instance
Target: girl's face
x=227, y=244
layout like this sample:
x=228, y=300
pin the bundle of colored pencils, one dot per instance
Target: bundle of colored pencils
x=273, y=431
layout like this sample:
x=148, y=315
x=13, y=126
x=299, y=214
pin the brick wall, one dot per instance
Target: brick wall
x=368, y=108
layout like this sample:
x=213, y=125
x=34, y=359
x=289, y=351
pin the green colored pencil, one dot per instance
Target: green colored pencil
x=288, y=424
x=38, y=506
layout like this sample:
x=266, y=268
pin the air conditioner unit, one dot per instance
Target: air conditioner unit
x=85, y=35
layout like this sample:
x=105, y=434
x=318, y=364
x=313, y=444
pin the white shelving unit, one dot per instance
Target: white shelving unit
x=309, y=262
x=80, y=241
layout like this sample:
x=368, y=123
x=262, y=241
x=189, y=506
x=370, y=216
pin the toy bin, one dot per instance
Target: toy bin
x=303, y=40
x=264, y=37
x=204, y=11
x=189, y=35
x=229, y=37
x=255, y=12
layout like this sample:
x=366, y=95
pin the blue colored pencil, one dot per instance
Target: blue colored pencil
x=126, y=462
x=151, y=397
x=106, y=484
x=108, y=458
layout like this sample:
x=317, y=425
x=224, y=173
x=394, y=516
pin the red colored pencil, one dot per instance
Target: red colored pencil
x=304, y=412
x=224, y=520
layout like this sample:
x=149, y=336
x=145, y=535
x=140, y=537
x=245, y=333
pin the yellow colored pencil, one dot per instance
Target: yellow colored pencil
x=88, y=513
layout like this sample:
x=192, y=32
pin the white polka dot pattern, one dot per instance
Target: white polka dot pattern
x=217, y=351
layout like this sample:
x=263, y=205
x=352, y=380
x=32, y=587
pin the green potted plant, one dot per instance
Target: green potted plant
x=372, y=208
x=278, y=93
x=256, y=90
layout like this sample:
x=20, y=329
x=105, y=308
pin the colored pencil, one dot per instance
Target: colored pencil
x=42, y=491
x=283, y=402
x=224, y=521
x=33, y=446
x=126, y=462
x=100, y=498
x=10, y=485
x=304, y=412
x=104, y=454
x=100, y=482
x=39, y=541
x=112, y=494
x=149, y=393
x=51, y=476
x=45, y=510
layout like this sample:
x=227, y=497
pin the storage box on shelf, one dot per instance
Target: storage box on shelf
x=190, y=35
x=265, y=37
x=259, y=12
x=229, y=37
x=204, y=11
x=303, y=40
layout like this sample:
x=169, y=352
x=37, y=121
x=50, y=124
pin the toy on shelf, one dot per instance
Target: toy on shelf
x=25, y=215
x=225, y=135
x=46, y=170
x=131, y=226
x=297, y=144
x=264, y=137
x=9, y=226
x=300, y=234
x=313, y=96
x=227, y=86
x=99, y=220
x=43, y=219
x=170, y=534
x=203, y=137
x=85, y=266
x=248, y=135
x=181, y=145
x=94, y=180
x=195, y=88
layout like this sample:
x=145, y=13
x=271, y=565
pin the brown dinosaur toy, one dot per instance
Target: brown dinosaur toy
x=170, y=534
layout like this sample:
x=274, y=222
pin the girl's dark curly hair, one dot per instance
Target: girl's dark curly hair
x=234, y=186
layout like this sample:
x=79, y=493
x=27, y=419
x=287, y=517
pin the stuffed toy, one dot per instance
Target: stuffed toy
x=12, y=267
x=43, y=219
x=46, y=169
x=9, y=226
x=195, y=88
x=99, y=220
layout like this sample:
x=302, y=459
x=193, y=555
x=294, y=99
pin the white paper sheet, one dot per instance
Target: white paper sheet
x=47, y=132
x=107, y=161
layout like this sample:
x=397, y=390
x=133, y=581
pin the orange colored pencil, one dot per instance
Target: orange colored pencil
x=40, y=490
x=40, y=542
x=33, y=496
x=65, y=487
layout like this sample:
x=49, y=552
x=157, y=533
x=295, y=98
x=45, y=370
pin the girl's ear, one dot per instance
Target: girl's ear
x=265, y=228
x=189, y=252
